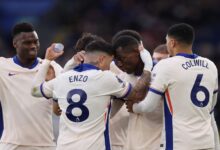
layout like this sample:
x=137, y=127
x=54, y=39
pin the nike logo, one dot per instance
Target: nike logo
x=11, y=74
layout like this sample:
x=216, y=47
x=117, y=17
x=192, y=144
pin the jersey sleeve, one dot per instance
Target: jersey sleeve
x=149, y=104
x=147, y=60
x=39, y=87
x=115, y=69
x=161, y=77
x=69, y=65
x=215, y=96
x=115, y=86
x=47, y=89
x=57, y=68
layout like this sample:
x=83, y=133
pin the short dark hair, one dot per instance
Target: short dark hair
x=182, y=32
x=100, y=46
x=22, y=27
x=126, y=42
x=161, y=49
x=85, y=39
x=128, y=32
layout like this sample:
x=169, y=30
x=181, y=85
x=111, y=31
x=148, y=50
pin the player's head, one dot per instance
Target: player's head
x=99, y=53
x=25, y=41
x=128, y=32
x=179, y=37
x=84, y=40
x=127, y=56
x=160, y=52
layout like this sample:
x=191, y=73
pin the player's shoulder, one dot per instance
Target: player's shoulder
x=165, y=63
x=5, y=61
x=211, y=64
x=108, y=74
x=110, y=79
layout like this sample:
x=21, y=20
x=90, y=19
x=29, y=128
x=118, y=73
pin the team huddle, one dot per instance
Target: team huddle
x=109, y=96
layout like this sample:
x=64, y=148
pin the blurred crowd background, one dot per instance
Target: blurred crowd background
x=65, y=20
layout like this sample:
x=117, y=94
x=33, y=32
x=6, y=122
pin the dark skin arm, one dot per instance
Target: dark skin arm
x=56, y=109
x=140, y=89
x=116, y=106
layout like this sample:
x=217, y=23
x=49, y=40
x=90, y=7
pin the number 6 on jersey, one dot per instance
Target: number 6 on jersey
x=199, y=88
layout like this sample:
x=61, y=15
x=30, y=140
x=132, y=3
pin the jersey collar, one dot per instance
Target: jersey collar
x=192, y=56
x=16, y=61
x=85, y=67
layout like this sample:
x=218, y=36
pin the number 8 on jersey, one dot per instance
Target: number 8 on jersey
x=77, y=105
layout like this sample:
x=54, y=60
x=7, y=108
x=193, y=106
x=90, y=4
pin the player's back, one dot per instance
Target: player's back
x=84, y=98
x=191, y=81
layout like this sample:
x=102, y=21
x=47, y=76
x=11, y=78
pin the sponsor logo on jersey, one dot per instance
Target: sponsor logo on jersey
x=11, y=74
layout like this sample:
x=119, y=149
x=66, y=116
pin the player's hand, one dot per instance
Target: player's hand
x=136, y=95
x=50, y=74
x=79, y=57
x=51, y=54
x=145, y=57
x=141, y=46
x=129, y=105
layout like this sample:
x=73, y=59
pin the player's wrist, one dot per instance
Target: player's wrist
x=47, y=61
x=72, y=61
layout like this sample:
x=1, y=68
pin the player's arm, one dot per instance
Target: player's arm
x=41, y=88
x=160, y=81
x=213, y=122
x=77, y=59
x=216, y=134
x=57, y=69
x=56, y=108
x=115, y=69
x=116, y=106
x=140, y=89
x=151, y=101
x=122, y=90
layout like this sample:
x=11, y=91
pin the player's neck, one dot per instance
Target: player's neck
x=89, y=59
x=26, y=62
x=185, y=50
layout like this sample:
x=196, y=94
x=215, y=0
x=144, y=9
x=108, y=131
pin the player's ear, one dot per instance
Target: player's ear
x=14, y=42
x=101, y=59
x=172, y=43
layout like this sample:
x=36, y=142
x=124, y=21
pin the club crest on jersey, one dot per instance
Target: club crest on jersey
x=154, y=75
x=119, y=80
